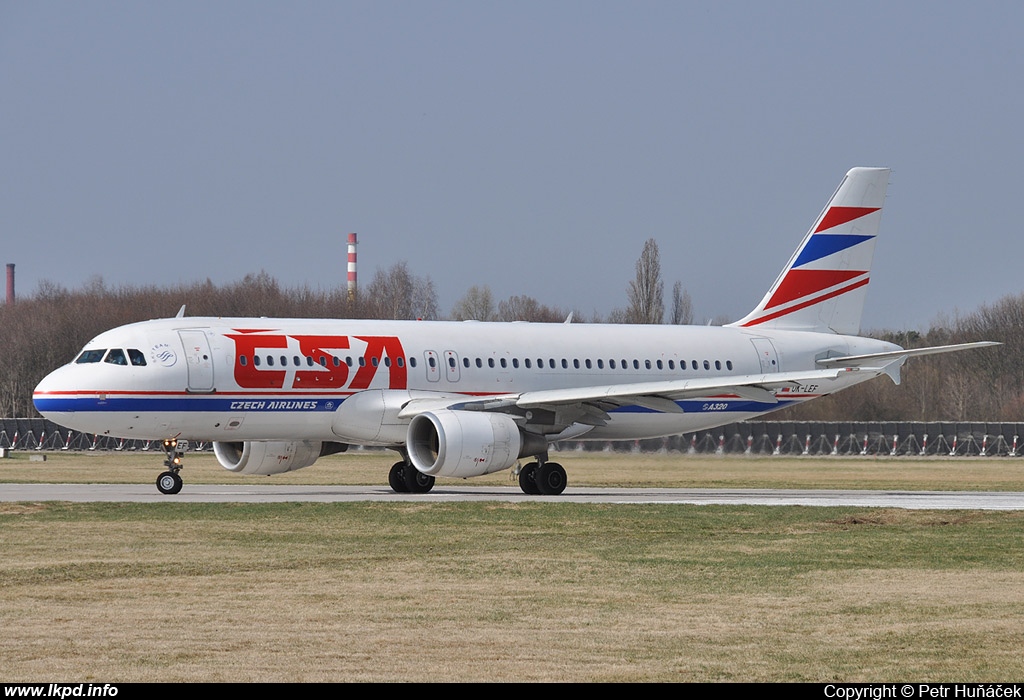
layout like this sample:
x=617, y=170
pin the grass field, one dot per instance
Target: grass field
x=514, y=591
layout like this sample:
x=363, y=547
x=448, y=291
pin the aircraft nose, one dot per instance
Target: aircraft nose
x=45, y=388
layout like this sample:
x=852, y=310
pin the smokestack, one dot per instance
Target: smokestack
x=10, y=283
x=351, y=265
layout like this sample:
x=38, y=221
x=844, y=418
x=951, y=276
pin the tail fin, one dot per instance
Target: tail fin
x=823, y=286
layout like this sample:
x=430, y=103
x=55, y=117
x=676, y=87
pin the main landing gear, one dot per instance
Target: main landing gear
x=542, y=478
x=405, y=478
x=170, y=482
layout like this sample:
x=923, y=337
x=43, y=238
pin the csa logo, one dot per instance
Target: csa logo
x=162, y=354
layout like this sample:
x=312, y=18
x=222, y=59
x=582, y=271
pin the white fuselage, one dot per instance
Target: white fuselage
x=347, y=380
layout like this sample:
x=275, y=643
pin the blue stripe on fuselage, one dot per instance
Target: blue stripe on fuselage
x=182, y=404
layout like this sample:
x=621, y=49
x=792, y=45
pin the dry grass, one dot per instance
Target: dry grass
x=513, y=591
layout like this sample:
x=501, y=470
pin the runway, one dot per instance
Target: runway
x=221, y=493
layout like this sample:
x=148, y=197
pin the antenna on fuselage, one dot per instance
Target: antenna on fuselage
x=181, y=312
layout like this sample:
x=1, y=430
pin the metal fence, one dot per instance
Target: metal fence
x=753, y=437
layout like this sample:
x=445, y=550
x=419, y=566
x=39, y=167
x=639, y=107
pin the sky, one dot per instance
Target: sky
x=530, y=147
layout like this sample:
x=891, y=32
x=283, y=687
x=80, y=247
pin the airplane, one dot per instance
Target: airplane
x=464, y=399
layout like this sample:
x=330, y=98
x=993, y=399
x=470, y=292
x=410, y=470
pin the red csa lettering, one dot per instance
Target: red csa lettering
x=331, y=373
x=318, y=347
x=248, y=376
x=377, y=347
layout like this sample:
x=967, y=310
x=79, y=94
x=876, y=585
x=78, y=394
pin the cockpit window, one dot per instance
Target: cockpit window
x=116, y=357
x=89, y=356
x=137, y=358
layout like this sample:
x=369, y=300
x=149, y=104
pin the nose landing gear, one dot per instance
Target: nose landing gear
x=170, y=482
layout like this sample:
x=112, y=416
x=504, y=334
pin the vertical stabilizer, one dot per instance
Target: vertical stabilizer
x=824, y=285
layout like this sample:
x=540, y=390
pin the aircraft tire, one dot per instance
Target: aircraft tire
x=169, y=483
x=528, y=479
x=416, y=481
x=396, y=478
x=551, y=479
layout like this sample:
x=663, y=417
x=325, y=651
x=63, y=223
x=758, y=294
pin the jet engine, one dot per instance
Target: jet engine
x=467, y=443
x=272, y=457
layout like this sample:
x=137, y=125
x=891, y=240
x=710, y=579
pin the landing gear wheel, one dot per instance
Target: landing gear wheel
x=169, y=483
x=396, y=478
x=528, y=479
x=416, y=481
x=550, y=478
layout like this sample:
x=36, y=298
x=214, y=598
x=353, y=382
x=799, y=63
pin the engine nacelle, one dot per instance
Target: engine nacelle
x=467, y=443
x=268, y=457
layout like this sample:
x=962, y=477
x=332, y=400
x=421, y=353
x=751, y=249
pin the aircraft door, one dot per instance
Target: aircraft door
x=451, y=365
x=433, y=365
x=766, y=354
x=199, y=360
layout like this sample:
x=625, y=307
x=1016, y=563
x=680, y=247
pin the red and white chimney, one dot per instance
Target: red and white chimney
x=351, y=264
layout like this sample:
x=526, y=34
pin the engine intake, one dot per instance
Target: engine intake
x=272, y=457
x=467, y=443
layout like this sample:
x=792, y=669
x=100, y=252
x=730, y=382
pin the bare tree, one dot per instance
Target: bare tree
x=682, y=305
x=524, y=308
x=476, y=305
x=397, y=293
x=646, y=291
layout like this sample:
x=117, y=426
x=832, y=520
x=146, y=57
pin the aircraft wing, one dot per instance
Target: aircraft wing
x=588, y=404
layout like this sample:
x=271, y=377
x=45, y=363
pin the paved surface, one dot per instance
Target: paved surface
x=199, y=493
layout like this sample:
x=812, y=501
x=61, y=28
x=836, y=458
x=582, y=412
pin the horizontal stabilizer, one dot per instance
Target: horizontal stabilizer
x=874, y=358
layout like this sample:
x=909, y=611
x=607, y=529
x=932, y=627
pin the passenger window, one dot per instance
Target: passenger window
x=728, y=364
x=89, y=356
x=242, y=360
x=116, y=357
x=412, y=362
x=707, y=365
x=718, y=364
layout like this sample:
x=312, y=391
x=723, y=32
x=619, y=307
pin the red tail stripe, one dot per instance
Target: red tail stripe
x=809, y=302
x=802, y=283
x=841, y=215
